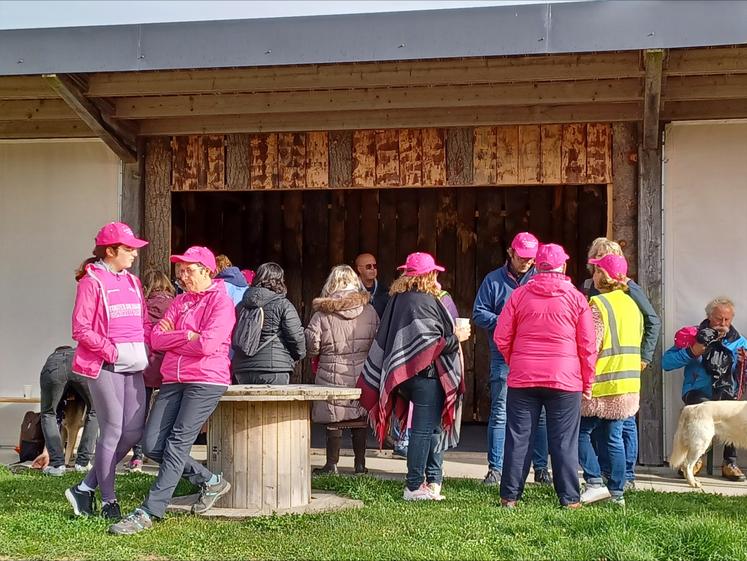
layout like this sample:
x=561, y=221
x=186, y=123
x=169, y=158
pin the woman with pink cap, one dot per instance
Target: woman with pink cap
x=109, y=324
x=415, y=358
x=546, y=334
x=195, y=336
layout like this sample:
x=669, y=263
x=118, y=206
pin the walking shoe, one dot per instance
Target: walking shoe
x=435, y=489
x=629, y=485
x=82, y=469
x=111, y=511
x=508, y=503
x=326, y=469
x=58, y=471
x=135, y=522
x=135, y=465
x=493, y=477
x=360, y=469
x=83, y=502
x=619, y=500
x=422, y=493
x=209, y=494
x=573, y=506
x=594, y=494
x=400, y=451
x=542, y=476
x=732, y=472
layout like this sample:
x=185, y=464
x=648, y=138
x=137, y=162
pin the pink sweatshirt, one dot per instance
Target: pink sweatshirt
x=546, y=334
x=205, y=359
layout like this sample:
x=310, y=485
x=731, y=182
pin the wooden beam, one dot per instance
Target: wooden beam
x=413, y=118
x=44, y=129
x=70, y=89
x=652, y=98
x=718, y=60
x=25, y=87
x=157, y=212
x=701, y=110
x=368, y=75
x=680, y=88
x=625, y=191
x=36, y=110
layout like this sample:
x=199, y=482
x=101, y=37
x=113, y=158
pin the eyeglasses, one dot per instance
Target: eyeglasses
x=369, y=266
x=188, y=271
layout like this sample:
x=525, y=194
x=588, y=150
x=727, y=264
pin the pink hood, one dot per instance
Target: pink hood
x=546, y=334
x=204, y=360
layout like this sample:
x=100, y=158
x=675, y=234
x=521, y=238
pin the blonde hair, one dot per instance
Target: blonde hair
x=341, y=277
x=603, y=246
x=419, y=283
x=718, y=302
x=222, y=262
x=608, y=283
x=156, y=281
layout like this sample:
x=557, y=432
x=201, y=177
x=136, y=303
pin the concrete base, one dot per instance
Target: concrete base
x=321, y=501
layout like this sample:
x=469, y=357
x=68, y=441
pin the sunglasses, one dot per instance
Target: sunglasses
x=369, y=266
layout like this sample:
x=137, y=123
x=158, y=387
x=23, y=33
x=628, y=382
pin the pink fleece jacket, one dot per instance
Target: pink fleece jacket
x=205, y=359
x=546, y=334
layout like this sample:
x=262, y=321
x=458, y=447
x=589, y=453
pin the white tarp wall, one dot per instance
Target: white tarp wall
x=705, y=234
x=53, y=198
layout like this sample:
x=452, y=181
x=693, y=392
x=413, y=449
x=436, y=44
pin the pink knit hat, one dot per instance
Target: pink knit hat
x=196, y=254
x=525, y=245
x=420, y=264
x=118, y=233
x=614, y=265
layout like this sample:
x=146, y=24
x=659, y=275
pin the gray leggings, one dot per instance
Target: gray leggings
x=119, y=400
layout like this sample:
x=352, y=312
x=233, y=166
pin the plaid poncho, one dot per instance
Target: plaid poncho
x=411, y=336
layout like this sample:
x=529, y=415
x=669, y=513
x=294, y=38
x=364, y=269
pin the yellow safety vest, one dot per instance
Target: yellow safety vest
x=618, y=369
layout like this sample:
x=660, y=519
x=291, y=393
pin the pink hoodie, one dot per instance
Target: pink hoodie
x=204, y=360
x=91, y=324
x=546, y=334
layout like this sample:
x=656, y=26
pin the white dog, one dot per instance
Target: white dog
x=699, y=424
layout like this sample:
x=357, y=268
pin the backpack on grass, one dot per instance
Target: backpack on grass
x=31, y=440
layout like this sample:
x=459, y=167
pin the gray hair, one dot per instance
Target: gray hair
x=342, y=277
x=718, y=302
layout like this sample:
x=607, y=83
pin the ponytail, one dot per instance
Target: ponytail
x=99, y=253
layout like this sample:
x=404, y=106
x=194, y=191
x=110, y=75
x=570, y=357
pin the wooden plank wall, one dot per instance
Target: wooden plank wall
x=467, y=229
x=573, y=154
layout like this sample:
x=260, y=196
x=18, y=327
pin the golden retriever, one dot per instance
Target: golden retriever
x=72, y=421
x=699, y=424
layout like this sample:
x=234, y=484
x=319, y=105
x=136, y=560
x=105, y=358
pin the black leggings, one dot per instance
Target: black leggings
x=693, y=398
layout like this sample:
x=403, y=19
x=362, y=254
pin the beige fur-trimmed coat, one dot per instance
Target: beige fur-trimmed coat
x=340, y=333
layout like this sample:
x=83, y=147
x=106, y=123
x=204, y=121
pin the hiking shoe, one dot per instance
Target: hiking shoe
x=542, y=476
x=135, y=465
x=629, y=485
x=493, y=477
x=135, y=522
x=82, y=469
x=326, y=469
x=619, y=500
x=83, y=502
x=422, y=493
x=435, y=489
x=58, y=471
x=360, y=469
x=732, y=472
x=573, y=506
x=594, y=494
x=508, y=503
x=209, y=494
x=111, y=511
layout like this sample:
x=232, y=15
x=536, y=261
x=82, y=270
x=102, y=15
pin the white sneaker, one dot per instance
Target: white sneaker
x=82, y=469
x=435, y=489
x=594, y=494
x=422, y=493
x=54, y=471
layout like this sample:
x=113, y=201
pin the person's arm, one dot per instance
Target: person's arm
x=168, y=339
x=586, y=346
x=84, y=311
x=505, y=329
x=215, y=328
x=483, y=311
x=598, y=324
x=292, y=332
x=313, y=333
x=675, y=358
x=651, y=323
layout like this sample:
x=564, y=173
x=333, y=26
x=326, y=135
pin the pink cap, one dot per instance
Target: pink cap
x=118, y=233
x=550, y=256
x=248, y=275
x=614, y=265
x=196, y=254
x=525, y=245
x=685, y=336
x=420, y=264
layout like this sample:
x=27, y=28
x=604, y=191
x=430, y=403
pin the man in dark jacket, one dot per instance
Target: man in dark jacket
x=365, y=266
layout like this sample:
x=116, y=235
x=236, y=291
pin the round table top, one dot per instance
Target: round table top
x=289, y=392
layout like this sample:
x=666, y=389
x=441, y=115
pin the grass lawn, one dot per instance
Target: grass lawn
x=37, y=523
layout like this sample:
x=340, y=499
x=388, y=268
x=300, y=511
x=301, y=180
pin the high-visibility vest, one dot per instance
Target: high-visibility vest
x=618, y=368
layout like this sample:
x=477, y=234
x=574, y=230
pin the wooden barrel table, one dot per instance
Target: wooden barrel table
x=259, y=437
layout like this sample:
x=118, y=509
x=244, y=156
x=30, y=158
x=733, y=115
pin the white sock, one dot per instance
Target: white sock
x=85, y=488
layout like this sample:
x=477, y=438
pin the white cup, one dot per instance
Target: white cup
x=27, y=391
x=462, y=323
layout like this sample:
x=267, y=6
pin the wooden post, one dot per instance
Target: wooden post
x=625, y=192
x=133, y=196
x=650, y=256
x=157, y=227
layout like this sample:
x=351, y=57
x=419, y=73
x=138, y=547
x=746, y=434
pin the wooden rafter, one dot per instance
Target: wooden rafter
x=115, y=136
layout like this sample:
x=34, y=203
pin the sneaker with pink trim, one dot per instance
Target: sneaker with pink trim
x=422, y=493
x=436, y=491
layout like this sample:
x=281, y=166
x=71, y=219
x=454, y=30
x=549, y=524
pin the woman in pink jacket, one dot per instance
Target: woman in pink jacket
x=195, y=335
x=109, y=324
x=546, y=334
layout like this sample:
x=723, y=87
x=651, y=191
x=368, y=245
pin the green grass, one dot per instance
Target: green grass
x=36, y=523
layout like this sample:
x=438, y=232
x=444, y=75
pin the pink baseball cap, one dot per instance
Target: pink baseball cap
x=614, y=265
x=118, y=233
x=196, y=254
x=525, y=245
x=420, y=264
x=685, y=336
x=248, y=275
x=550, y=256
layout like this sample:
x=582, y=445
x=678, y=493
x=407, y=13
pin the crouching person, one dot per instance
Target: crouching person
x=195, y=335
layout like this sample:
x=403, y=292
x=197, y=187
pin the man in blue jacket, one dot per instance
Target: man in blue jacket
x=714, y=359
x=492, y=296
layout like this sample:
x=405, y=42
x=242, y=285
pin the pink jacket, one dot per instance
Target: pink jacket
x=91, y=324
x=205, y=359
x=546, y=334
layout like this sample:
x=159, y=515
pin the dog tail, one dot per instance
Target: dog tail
x=679, y=444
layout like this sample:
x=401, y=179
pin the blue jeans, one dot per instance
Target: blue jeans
x=612, y=441
x=630, y=441
x=497, y=422
x=427, y=397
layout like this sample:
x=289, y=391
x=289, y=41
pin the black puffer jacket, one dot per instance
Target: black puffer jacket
x=281, y=319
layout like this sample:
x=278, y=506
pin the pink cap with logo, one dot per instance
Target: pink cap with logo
x=525, y=245
x=118, y=233
x=420, y=264
x=196, y=254
x=550, y=256
x=614, y=265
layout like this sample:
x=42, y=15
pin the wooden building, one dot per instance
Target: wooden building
x=310, y=159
